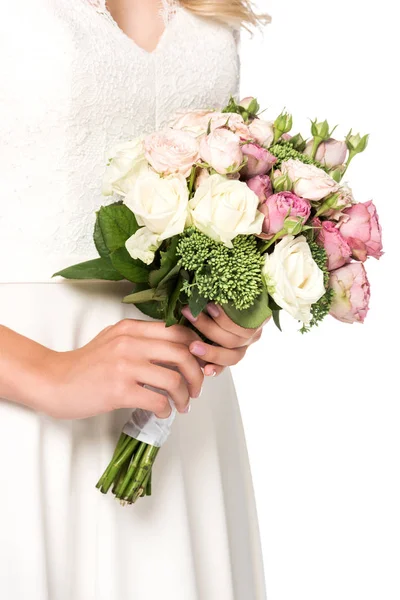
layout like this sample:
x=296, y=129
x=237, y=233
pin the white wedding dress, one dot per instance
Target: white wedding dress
x=72, y=85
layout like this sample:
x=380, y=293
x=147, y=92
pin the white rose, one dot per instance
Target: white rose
x=160, y=203
x=143, y=244
x=293, y=278
x=221, y=150
x=126, y=162
x=309, y=181
x=262, y=131
x=172, y=151
x=223, y=208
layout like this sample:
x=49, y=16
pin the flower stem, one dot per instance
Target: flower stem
x=116, y=464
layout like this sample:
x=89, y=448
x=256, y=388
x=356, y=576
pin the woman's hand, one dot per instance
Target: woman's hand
x=232, y=340
x=107, y=373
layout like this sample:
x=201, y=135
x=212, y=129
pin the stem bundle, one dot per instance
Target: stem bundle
x=129, y=471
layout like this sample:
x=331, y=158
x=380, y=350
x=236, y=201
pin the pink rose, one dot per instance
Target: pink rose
x=360, y=227
x=261, y=185
x=262, y=132
x=280, y=206
x=336, y=247
x=221, y=150
x=308, y=180
x=330, y=153
x=171, y=151
x=259, y=160
x=195, y=121
x=351, y=293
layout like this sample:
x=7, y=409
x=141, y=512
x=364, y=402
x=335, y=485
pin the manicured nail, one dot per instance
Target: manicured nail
x=188, y=409
x=198, y=349
x=211, y=373
x=213, y=310
x=186, y=313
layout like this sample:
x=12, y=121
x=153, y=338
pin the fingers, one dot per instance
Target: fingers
x=177, y=355
x=149, y=400
x=213, y=331
x=221, y=318
x=169, y=380
x=213, y=370
x=152, y=329
x=217, y=355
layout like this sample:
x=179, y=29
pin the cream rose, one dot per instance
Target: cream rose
x=143, y=244
x=171, y=151
x=293, y=278
x=160, y=203
x=309, y=181
x=125, y=163
x=195, y=121
x=222, y=209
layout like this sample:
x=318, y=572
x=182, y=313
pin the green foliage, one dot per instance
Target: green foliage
x=114, y=225
x=283, y=150
x=132, y=270
x=99, y=268
x=320, y=309
x=222, y=274
x=168, y=260
x=252, y=317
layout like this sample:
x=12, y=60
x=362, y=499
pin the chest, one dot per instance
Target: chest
x=82, y=69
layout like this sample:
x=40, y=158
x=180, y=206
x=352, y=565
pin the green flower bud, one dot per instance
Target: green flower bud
x=356, y=143
x=281, y=182
x=298, y=142
x=320, y=130
x=337, y=173
x=282, y=125
x=292, y=226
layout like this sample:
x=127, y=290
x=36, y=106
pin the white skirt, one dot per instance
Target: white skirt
x=195, y=538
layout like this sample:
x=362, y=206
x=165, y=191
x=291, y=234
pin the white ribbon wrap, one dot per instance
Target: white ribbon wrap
x=146, y=427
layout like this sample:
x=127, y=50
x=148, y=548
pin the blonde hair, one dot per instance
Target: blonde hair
x=234, y=12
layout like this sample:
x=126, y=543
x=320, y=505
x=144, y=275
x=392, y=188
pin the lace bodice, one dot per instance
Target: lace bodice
x=73, y=84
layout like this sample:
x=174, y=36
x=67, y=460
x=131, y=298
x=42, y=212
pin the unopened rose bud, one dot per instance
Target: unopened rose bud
x=282, y=125
x=281, y=182
x=355, y=144
x=298, y=142
x=320, y=133
x=292, y=226
x=320, y=130
x=337, y=173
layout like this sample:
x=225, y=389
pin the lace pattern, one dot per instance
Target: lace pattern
x=82, y=87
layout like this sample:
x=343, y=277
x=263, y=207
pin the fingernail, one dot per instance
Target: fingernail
x=198, y=349
x=213, y=310
x=188, y=409
x=212, y=373
x=186, y=313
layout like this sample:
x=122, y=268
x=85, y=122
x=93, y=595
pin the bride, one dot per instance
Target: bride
x=77, y=77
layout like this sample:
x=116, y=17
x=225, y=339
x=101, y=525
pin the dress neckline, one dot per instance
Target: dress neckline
x=169, y=11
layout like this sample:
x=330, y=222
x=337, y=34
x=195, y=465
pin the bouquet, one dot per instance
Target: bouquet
x=226, y=207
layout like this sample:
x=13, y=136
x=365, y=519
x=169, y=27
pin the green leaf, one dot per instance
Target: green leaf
x=133, y=270
x=155, y=310
x=171, y=319
x=252, y=317
x=144, y=295
x=169, y=260
x=99, y=239
x=276, y=318
x=117, y=223
x=197, y=302
x=98, y=268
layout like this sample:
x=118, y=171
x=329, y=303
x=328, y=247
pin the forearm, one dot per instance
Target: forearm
x=21, y=368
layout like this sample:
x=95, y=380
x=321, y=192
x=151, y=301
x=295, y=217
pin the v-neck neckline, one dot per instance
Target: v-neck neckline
x=101, y=7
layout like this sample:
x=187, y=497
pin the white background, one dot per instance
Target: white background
x=321, y=411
